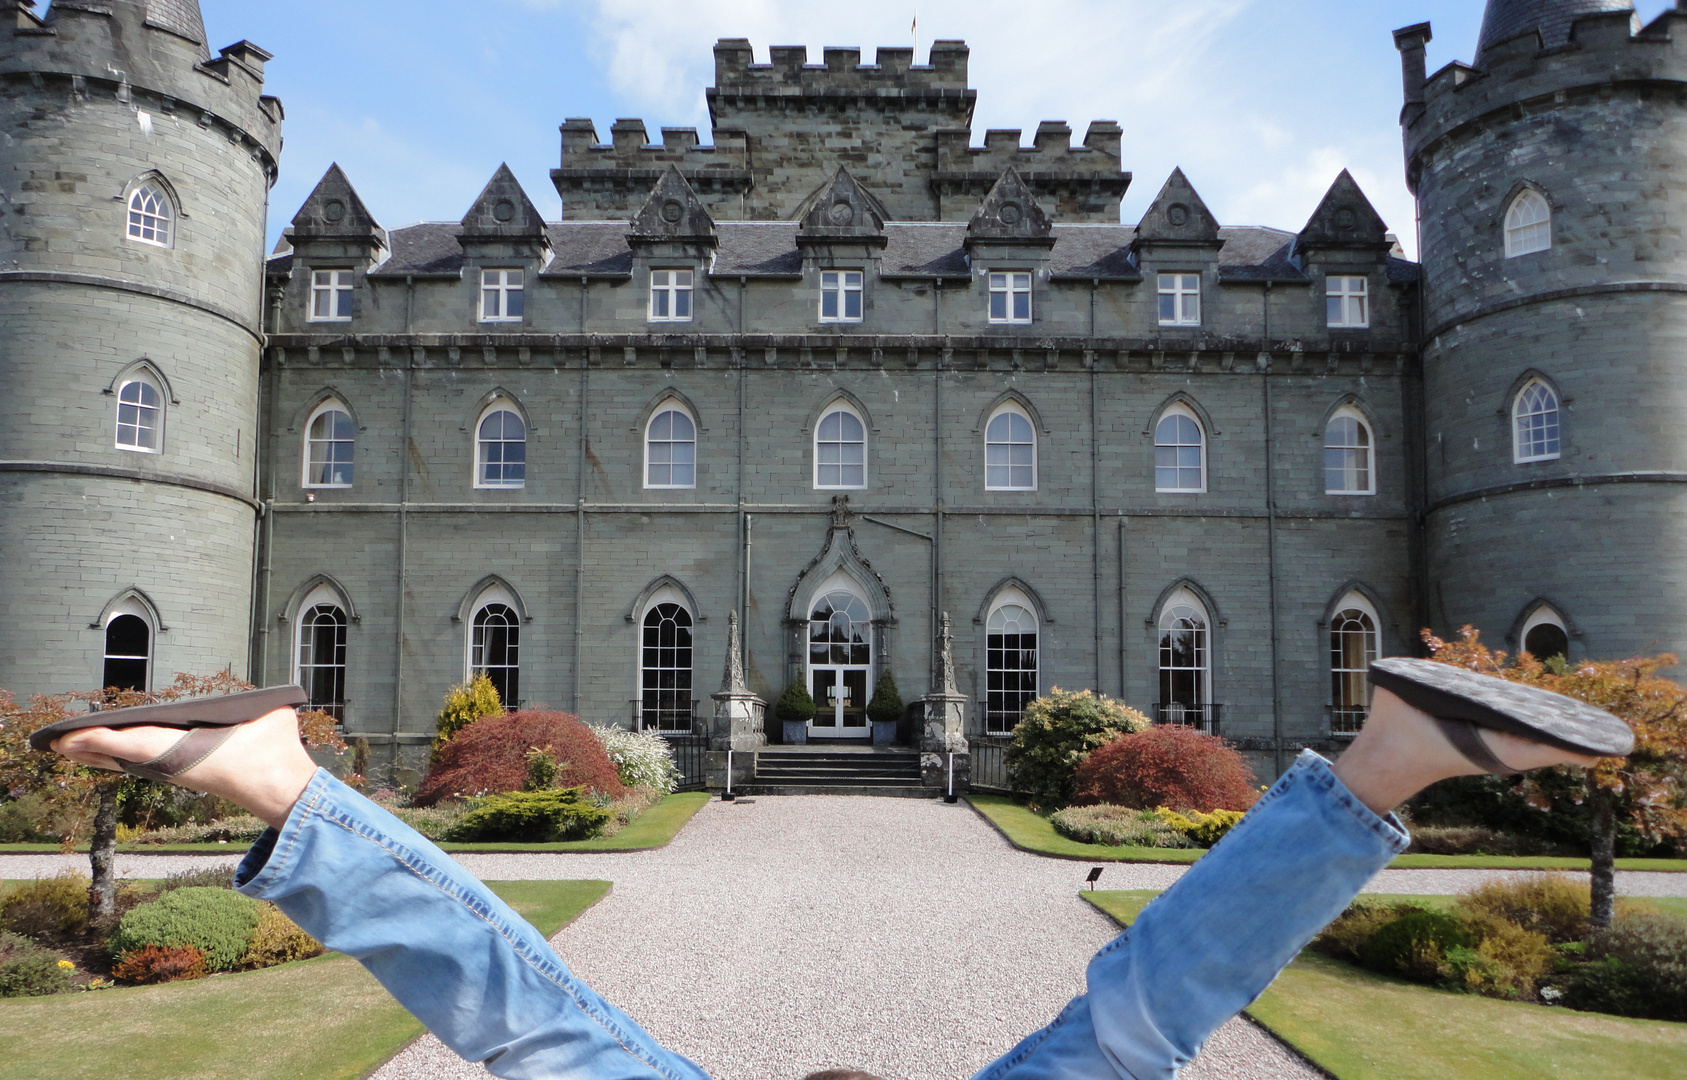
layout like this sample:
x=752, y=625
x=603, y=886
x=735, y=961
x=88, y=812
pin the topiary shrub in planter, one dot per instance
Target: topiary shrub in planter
x=154, y=964
x=217, y=922
x=491, y=755
x=1057, y=734
x=794, y=710
x=531, y=817
x=885, y=709
x=1167, y=765
x=28, y=970
x=49, y=910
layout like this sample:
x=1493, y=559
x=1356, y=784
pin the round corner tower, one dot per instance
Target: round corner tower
x=1551, y=179
x=134, y=174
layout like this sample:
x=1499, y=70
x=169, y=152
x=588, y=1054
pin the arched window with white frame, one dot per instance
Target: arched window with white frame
x=140, y=413
x=1180, y=452
x=840, y=449
x=1011, y=656
x=670, y=448
x=1349, y=454
x=500, y=447
x=495, y=643
x=1010, y=451
x=330, y=443
x=1534, y=423
x=129, y=637
x=1544, y=636
x=1528, y=224
x=1185, y=656
x=152, y=215
x=665, y=674
x=319, y=650
x=1353, y=645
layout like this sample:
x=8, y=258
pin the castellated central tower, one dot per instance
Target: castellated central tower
x=134, y=173
x=1551, y=178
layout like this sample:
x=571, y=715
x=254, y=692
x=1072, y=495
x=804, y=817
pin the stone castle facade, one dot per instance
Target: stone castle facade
x=835, y=380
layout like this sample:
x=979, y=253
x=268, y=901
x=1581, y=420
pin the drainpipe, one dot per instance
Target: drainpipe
x=1124, y=665
x=745, y=524
x=1271, y=547
x=580, y=527
x=937, y=512
x=404, y=515
x=1095, y=504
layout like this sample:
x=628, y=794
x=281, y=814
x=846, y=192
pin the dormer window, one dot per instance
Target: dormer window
x=1180, y=299
x=1349, y=302
x=1010, y=297
x=840, y=295
x=331, y=295
x=670, y=295
x=502, y=295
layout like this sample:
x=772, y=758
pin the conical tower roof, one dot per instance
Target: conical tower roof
x=1505, y=19
x=181, y=17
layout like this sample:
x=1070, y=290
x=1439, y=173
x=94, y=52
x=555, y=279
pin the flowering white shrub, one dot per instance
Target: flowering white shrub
x=643, y=758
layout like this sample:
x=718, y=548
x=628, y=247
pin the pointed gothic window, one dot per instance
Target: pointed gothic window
x=151, y=216
x=840, y=450
x=140, y=415
x=1010, y=451
x=330, y=439
x=494, y=650
x=1186, y=664
x=1010, y=664
x=501, y=449
x=1528, y=224
x=1544, y=636
x=1535, y=433
x=1348, y=460
x=321, y=651
x=1180, y=452
x=128, y=650
x=670, y=449
x=1353, y=645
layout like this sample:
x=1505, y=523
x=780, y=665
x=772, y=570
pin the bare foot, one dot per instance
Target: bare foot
x=262, y=767
x=1402, y=750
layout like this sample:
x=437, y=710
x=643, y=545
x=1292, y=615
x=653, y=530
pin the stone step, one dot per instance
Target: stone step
x=889, y=791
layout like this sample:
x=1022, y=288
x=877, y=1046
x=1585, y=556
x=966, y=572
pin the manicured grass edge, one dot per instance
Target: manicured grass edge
x=1032, y=833
x=655, y=828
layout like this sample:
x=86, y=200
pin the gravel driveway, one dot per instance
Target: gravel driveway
x=777, y=936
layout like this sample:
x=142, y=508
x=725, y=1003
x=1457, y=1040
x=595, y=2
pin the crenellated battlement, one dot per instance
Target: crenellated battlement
x=1603, y=49
x=151, y=50
x=840, y=71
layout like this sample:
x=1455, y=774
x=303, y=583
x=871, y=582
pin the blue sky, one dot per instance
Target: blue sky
x=1262, y=102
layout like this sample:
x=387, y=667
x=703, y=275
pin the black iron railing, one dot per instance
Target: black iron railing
x=1203, y=718
x=989, y=764
x=1346, y=721
x=999, y=722
x=667, y=718
x=691, y=758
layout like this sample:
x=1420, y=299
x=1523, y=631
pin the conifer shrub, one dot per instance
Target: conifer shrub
x=643, y=759
x=886, y=706
x=1167, y=765
x=1549, y=904
x=1201, y=830
x=531, y=817
x=218, y=922
x=464, y=704
x=28, y=970
x=795, y=704
x=1056, y=734
x=160, y=964
x=1414, y=946
x=277, y=940
x=1117, y=826
x=1636, y=967
x=50, y=910
x=490, y=756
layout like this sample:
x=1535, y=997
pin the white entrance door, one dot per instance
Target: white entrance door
x=840, y=660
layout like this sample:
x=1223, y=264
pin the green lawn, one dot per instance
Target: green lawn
x=1032, y=832
x=324, y=1019
x=1363, y=1026
x=652, y=829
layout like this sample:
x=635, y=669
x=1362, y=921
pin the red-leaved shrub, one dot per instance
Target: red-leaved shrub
x=1167, y=765
x=158, y=964
x=490, y=755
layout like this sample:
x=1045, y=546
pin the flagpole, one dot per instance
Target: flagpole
x=915, y=30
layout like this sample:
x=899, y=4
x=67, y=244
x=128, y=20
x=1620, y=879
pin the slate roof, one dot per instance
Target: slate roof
x=767, y=249
x=1505, y=19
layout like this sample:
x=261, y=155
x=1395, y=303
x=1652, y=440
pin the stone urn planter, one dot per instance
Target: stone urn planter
x=884, y=732
x=796, y=733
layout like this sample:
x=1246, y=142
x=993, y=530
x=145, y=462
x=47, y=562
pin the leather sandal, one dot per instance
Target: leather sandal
x=1463, y=701
x=209, y=722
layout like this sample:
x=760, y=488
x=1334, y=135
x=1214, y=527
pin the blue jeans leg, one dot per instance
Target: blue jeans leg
x=1207, y=947
x=488, y=984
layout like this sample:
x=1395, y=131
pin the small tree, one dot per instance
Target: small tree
x=1645, y=789
x=886, y=706
x=1167, y=765
x=464, y=704
x=1057, y=734
x=795, y=704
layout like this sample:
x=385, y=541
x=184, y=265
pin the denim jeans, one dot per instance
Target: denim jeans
x=492, y=989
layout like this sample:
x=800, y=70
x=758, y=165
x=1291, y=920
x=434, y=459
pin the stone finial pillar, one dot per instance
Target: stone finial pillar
x=737, y=723
x=945, y=706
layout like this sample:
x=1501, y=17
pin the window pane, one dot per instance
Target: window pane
x=682, y=278
x=515, y=304
x=829, y=304
x=998, y=306
x=1168, y=309
x=852, y=305
x=1022, y=306
x=659, y=304
x=682, y=305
